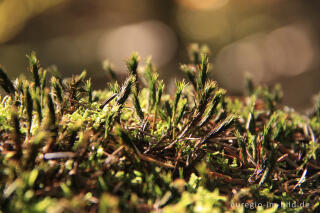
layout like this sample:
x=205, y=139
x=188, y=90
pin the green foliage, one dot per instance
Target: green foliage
x=65, y=147
x=34, y=68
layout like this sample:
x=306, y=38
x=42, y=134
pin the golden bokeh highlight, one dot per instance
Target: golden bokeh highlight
x=15, y=13
x=203, y=4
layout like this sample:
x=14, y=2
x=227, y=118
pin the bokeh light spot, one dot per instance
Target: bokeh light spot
x=203, y=4
x=148, y=38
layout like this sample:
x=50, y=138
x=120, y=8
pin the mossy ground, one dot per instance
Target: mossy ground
x=133, y=148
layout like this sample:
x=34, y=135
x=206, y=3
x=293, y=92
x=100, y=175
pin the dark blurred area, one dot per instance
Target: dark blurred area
x=276, y=41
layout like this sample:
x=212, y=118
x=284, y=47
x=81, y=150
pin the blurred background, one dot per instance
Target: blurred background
x=276, y=41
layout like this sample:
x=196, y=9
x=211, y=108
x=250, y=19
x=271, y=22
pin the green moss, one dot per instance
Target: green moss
x=65, y=147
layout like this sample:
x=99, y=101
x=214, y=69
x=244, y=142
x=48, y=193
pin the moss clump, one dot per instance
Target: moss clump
x=67, y=148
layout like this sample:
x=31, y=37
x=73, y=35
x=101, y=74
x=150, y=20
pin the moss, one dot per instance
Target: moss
x=65, y=147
